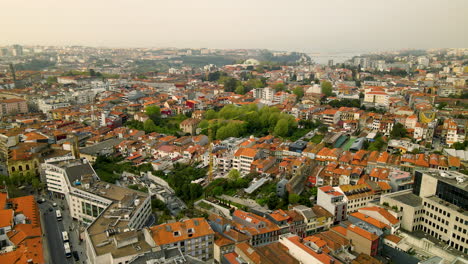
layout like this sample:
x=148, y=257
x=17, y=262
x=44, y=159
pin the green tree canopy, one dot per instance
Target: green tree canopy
x=299, y=92
x=281, y=128
x=398, y=131
x=327, y=88
x=153, y=112
x=279, y=87
x=233, y=175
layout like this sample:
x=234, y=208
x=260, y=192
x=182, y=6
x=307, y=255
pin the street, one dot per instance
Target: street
x=53, y=233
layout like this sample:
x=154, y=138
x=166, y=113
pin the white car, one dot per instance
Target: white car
x=54, y=204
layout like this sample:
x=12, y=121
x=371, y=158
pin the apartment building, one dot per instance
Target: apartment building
x=305, y=251
x=331, y=116
x=13, y=106
x=260, y=230
x=266, y=94
x=355, y=196
x=363, y=241
x=378, y=98
x=316, y=219
x=193, y=237
x=243, y=159
x=453, y=132
x=333, y=201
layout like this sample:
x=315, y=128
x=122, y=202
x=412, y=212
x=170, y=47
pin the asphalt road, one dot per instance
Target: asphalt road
x=53, y=231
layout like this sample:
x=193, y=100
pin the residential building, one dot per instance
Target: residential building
x=355, y=196
x=260, y=230
x=243, y=159
x=13, y=106
x=190, y=125
x=363, y=241
x=193, y=237
x=20, y=230
x=333, y=201
x=306, y=252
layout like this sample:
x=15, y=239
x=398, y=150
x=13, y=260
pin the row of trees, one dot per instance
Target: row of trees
x=233, y=121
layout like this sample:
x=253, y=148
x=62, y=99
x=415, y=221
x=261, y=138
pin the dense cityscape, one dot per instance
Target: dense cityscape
x=233, y=156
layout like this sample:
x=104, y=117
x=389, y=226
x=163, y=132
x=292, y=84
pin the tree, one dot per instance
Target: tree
x=233, y=175
x=279, y=87
x=51, y=80
x=272, y=201
x=36, y=184
x=323, y=129
x=281, y=128
x=460, y=146
x=442, y=105
x=398, y=131
x=149, y=126
x=230, y=84
x=327, y=88
x=92, y=73
x=299, y=92
x=210, y=114
x=240, y=89
x=294, y=198
x=153, y=112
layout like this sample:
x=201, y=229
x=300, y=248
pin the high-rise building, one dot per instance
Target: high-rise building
x=17, y=50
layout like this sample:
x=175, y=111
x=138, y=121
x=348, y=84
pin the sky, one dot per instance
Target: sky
x=292, y=25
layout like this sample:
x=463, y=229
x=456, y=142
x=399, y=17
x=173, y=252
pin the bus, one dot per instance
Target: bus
x=68, y=252
x=65, y=236
x=59, y=215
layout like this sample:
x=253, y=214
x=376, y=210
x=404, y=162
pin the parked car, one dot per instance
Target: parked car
x=54, y=204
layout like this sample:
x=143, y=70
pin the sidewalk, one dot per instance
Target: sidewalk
x=45, y=244
x=73, y=229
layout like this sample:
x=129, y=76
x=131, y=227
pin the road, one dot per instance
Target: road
x=53, y=232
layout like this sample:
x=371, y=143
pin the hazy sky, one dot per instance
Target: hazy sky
x=303, y=25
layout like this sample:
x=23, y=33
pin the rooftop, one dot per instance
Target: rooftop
x=180, y=231
x=407, y=198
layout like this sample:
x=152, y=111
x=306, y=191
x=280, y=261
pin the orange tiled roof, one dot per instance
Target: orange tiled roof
x=6, y=217
x=369, y=220
x=363, y=233
x=383, y=212
x=166, y=233
x=247, y=152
